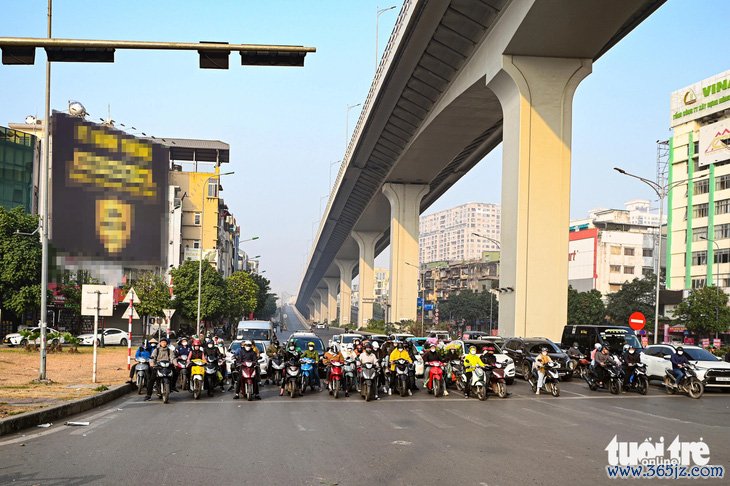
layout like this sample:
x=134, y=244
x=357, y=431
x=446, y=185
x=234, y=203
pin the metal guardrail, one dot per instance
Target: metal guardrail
x=385, y=61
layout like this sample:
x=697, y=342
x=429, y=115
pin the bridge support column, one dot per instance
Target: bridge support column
x=322, y=314
x=366, y=270
x=405, y=208
x=310, y=308
x=346, y=267
x=536, y=94
x=332, y=284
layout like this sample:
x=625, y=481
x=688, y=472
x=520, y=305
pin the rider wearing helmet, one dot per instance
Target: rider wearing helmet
x=471, y=361
x=331, y=355
x=596, y=349
x=602, y=359
x=244, y=354
x=290, y=353
x=181, y=353
x=161, y=353
x=429, y=356
x=541, y=360
x=679, y=361
x=143, y=352
x=349, y=352
x=399, y=352
x=312, y=354
x=574, y=351
x=368, y=356
x=488, y=356
x=631, y=359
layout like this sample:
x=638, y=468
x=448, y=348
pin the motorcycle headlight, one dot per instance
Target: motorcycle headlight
x=571, y=364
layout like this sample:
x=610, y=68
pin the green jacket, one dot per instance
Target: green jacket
x=313, y=354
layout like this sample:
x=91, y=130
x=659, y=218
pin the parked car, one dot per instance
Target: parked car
x=111, y=336
x=509, y=364
x=524, y=350
x=711, y=369
x=418, y=342
x=400, y=336
x=300, y=339
x=474, y=334
x=16, y=339
x=498, y=340
x=587, y=335
x=260, y=346
x=338, y=340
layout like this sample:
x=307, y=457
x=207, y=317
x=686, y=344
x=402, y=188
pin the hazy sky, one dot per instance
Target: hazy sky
x=286, y=125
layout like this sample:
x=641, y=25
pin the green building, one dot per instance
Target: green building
x=17, y=152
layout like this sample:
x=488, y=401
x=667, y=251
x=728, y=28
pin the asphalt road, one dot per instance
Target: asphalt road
x=317, y=440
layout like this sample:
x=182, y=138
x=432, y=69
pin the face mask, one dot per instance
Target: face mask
x=472, y=352
x=544, y=353
x=184, y=344
x=210, y=346
x=247, y=348
x=680, y=353
x=291, y=348
x=311, y=348
x=631, y=351
x=368, y=351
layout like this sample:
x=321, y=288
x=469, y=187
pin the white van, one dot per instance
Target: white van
x=254, y=330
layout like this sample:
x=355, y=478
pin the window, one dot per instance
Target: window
x=696, y=149
x=646, y=271
x=696, y=163
x=722, y=183
x=698, y=283
x=614, y=287
x=699, y=234
x=722, y=207
x=629, y=252
x=722, y=231
x=615, y=268
x=615, y=250
x=648, y=252
x=699, y=258
x=196, y=243
x=702, y=186
x=628, y=270
x=212, y=188
x=196, y=219
x=722, y=256
x=700, y=210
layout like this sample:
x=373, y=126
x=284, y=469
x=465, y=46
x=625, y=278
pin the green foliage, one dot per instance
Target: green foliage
x=30, y=338
x=704, y=311
x=214, y=305
x=637, y=295
x=72, y=341
x=101, y=388
x=153, y=293
x=585, y=307
x=242, y=295
x=263, y=294
x=70, y=289
x=269, y=308
x=469, y=306
x=378, y=312
x=375, y=326
x=20, y=262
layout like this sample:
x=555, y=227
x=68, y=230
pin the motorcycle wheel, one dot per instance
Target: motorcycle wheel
x=437, y=390
x=459, y=385
x=526, y=372
x=292, y=390
x=140, y=384
x=614, y=387
x=366, y=392
x=197, y=388
x=336, y=392
x=591, y=384
x=642, y=385
x=555, y=389
x=501, y=390
x=165, y=392
x=695, y=389
x=481, y=392
x=403, y=386
x=249, y=391
x=668, y=386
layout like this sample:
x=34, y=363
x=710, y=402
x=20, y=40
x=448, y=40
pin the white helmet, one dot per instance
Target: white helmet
x=247, y=343
x=376, y=346
x=349, y=347
x=597, y=346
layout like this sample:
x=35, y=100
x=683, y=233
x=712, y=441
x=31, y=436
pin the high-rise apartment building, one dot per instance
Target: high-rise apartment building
x=449, y=235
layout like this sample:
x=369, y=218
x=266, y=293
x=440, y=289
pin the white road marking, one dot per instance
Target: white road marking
x=669, y=419
x=55, y=428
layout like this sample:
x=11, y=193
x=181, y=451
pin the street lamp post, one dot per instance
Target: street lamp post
x=377, y=21
x=202, y=227
x=661, y=192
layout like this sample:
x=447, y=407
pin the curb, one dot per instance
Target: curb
x=50, y=414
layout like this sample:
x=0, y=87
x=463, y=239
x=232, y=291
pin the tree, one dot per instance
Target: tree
x=585, y=307
x=242, y=295
x=263, y=294
x=637, y=295
x=467, y=305
x=704, y=311
x=153, y=293
x=70, y=290
x=269, y=308
x=213, y=304
x=20, y=262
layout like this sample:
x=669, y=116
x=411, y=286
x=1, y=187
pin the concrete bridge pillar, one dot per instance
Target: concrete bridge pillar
x=332, y=284
x=314, y=316
x=310, y=308
x=536, y=94
x=322, y=314
x=366, y=270
x=405, y=208
x=346, y=267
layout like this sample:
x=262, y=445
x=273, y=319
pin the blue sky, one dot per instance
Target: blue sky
x=286, y=125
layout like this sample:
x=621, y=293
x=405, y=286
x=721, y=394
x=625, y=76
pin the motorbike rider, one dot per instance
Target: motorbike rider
x=161, y=353
x=541, y=360
x=630, y=360
x=596, y=349
x=399, y=352
x=471, y=361
x=432, y=339
x=368, y=356
x=430, y=355
x=312, y=353
x=574, y=351
x=247, y=353
x=679, y=361
x=291, y=353
x=331, y=355
x=144, y=353
x=272, y=351
x=183, y=349
x=602, y=359
x=213, y=355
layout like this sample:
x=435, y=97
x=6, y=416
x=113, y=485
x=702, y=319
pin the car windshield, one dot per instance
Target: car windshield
x=348, y=339
x=253, y=334
x=617, y=338
x=301, y=343
x=552, y=348
x=697, y=354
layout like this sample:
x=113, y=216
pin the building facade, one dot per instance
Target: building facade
x=19, y=156
x=449, y=235
x=698, y=234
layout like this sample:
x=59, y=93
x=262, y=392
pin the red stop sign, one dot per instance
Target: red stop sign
x=637, y=321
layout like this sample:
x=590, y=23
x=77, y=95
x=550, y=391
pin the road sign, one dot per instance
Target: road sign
x=130, y=312
x=131, y=295
x=93, y=295
x=637, y=321
x=429, y=307
x=168, y=313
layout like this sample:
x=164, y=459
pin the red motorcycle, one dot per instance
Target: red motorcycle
x=248, y=375
x=436, y=384
x=496, y=380
x=335, y=378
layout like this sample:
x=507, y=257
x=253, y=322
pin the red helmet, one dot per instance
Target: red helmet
x=196, y=342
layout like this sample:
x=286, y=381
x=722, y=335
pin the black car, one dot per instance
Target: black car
x=524, y=350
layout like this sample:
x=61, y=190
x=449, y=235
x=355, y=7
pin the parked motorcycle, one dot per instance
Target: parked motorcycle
x=142, y=371
x=248, y=376
x=369, y=381
x=293, y=378
x=613, y=378
x=164, y=375
x=435, y=379
x=477, y=385
x=638, y=380
x=497, y=382
x=552, y=379
x=690, y=384
x=401, y=377
x=335, y=379
x=197, y=377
